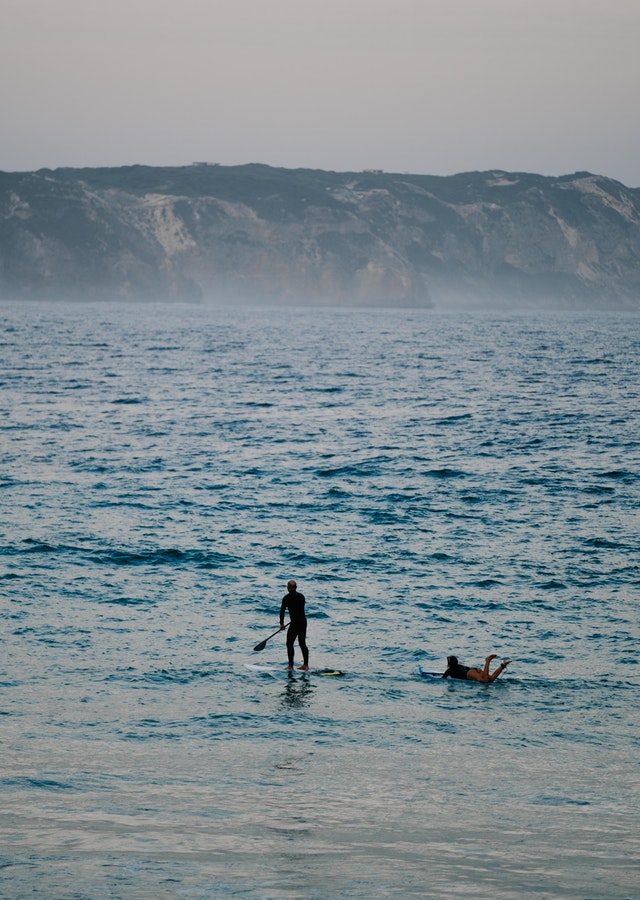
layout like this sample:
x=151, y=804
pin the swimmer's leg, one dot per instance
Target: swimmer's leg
x=499, y=670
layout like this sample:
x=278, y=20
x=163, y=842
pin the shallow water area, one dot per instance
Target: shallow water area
x=436, y=484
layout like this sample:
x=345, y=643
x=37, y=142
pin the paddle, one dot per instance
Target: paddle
x=263, y=643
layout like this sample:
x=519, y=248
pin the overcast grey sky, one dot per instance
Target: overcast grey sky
x=424, y=86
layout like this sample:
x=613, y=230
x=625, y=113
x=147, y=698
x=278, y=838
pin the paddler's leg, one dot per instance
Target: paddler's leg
x=302, y=642
x=291, y=637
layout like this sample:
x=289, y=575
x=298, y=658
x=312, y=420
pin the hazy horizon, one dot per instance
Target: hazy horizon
x=434, y=88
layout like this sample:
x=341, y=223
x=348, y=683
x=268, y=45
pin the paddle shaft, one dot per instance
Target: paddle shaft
x=263, y=643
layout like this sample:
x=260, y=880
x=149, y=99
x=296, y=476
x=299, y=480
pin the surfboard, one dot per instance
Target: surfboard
x=429, y=674
x=280, y=670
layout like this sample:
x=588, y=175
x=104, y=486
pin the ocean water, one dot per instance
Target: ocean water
x=437, y=484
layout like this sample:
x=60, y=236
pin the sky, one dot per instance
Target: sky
x=422, y=86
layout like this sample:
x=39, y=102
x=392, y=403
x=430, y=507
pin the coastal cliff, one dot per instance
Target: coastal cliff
x=259, y=234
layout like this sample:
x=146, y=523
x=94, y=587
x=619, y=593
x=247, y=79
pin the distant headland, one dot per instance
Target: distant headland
x=257, y=234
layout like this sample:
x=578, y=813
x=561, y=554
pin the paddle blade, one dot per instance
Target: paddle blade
x=263, y=643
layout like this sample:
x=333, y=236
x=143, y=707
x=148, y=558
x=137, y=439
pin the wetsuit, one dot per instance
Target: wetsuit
x=457, y=671
x=294, y=602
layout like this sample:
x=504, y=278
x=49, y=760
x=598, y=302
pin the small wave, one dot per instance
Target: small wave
x=32, y=546
x=555, y=800
x=338, y=492
x=444, y=472
x=175, y=676
x=202, y=559
x=332, y=389
x=90, y=464
x=43, y=784
x=385, y=517
x=453, y=420
x=364, y=469
x=129, y=601
x=309, y=559
x=617, y=475
x=602, y=543
x=598, y=489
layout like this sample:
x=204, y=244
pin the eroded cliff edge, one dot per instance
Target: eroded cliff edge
x=259, y=234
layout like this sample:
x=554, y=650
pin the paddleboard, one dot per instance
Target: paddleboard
x=281, y=670
x=429, y=674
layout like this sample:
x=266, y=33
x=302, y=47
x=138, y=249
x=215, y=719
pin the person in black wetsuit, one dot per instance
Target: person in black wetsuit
x=457, y=670
x=294, y=602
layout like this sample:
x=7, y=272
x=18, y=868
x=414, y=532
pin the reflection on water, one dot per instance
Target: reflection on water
x=298, y=691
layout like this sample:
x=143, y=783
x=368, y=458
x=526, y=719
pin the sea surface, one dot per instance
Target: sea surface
x=436, y=483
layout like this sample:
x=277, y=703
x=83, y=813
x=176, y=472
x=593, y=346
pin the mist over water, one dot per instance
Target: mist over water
x=436, y=484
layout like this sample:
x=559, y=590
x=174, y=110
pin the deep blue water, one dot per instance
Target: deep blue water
x=436, y=484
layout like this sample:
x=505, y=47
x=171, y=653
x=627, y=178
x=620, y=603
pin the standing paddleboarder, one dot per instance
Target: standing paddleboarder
x=293, y=601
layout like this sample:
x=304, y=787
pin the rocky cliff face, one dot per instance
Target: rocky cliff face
x=255, y=234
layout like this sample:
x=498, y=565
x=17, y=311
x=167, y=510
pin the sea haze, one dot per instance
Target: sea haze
x=436, y=484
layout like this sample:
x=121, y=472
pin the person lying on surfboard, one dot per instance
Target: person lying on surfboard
x=293, y=600
x=457, y=670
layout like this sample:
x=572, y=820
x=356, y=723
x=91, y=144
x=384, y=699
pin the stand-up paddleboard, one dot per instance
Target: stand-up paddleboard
x=429, y=674
x=281, y=670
